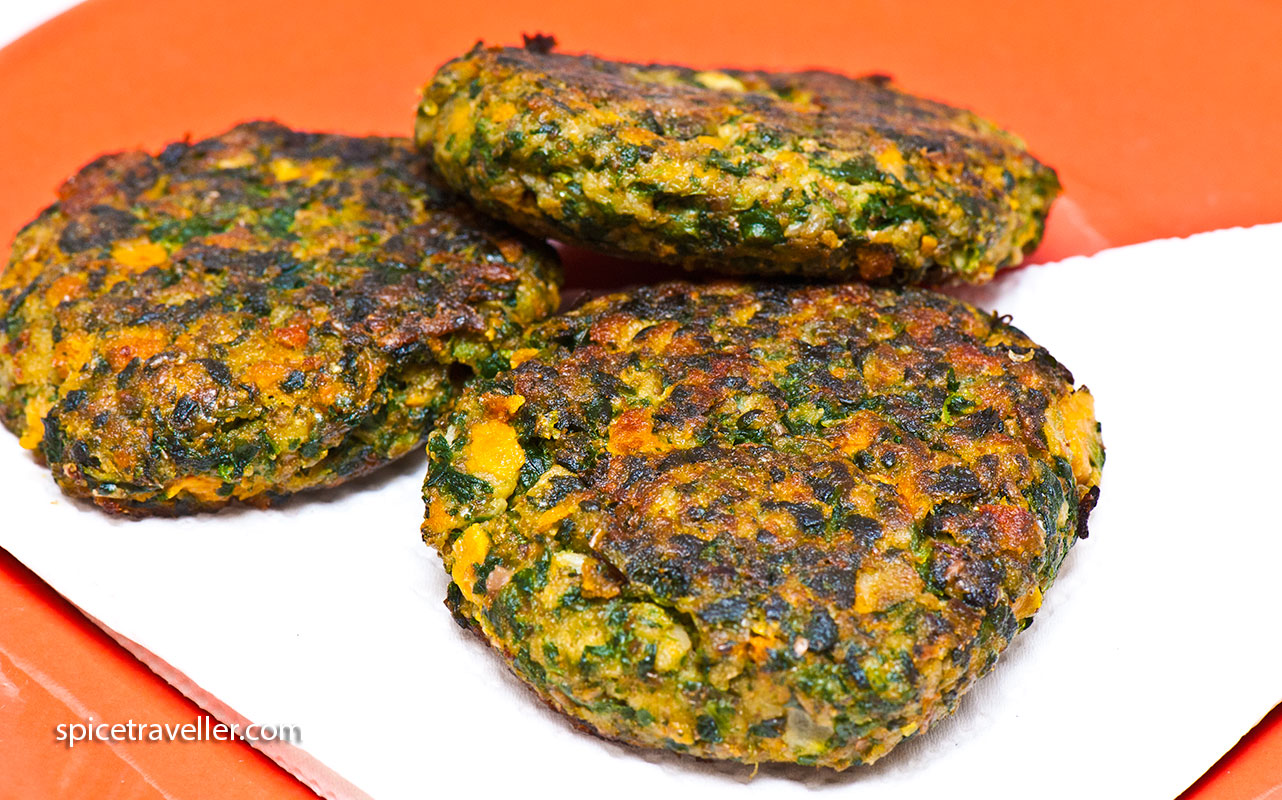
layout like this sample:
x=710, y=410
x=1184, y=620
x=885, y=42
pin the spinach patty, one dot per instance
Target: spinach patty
x=809, y=173
x=251, y=315
x=761, y=523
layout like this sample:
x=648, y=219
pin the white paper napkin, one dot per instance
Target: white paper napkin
x=1158, y=647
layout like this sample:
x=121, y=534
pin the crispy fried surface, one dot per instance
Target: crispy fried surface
x=807, y=173
x=761, y=523
x=250, y=315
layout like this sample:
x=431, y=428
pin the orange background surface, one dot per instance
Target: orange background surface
x=1162, y=118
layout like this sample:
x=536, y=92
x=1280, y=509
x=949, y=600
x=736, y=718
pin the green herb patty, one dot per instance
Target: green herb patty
x=251, y=315
x=809, y=173
x=761, y=523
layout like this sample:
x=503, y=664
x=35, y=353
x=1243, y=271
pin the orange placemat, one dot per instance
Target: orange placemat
x=1161, y=119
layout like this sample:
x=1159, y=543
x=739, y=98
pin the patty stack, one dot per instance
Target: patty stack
x=788, y=521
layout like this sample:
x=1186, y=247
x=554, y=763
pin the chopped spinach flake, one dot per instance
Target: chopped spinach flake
x=462, y=487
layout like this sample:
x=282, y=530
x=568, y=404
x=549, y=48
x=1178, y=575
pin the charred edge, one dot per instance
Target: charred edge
x=1084, y=507
x=540, y=43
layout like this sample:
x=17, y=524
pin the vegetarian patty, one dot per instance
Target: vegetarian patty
x=248, y=316
x=761, y=523
x=809, y=173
